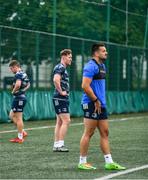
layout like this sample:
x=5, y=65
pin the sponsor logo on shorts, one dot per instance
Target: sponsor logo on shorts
x=85, y=106
x=94, y=115
x=56, y=102
x=87, y=114
x=64, y=110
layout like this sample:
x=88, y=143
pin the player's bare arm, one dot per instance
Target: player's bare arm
x=27, y=87
x=88, y=90
x=57, y=83
x=17, y=86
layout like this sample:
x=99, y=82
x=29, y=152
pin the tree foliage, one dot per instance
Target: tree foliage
x=79, y=18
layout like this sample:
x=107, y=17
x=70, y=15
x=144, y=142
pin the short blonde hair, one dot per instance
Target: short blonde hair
x=65, y=52
x=14, y=63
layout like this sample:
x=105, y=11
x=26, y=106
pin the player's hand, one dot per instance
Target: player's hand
x=12, y=92
x=97, y=107
x=63, y=93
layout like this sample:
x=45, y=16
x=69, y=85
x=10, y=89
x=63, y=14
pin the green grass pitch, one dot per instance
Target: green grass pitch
x=34, y=158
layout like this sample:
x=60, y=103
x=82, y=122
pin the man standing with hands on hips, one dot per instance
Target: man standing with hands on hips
x=61, y=100
x=94, y=107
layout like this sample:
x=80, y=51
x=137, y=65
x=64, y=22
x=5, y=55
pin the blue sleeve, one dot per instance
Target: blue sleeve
x=89, y=71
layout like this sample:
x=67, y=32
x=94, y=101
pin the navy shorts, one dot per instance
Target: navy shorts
x=18, y=104
x=89, y=108
x=61, y=106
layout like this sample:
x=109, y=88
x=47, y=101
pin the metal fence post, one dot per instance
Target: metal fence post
x=129, y=71
x=108, y=71
x=108, y=39
x=37, y=59
x=69, y=43
x=0, y=53
x=118, y=69
x=108, y=21
x=19, y=34
x=82, y=52
x=126, y=28
x=146, y=31
x=54, y=31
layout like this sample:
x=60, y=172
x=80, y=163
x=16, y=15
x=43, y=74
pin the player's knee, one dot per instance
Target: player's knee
x=68, y=121
x=105, y=133
x=59, y=123
x=91, y=134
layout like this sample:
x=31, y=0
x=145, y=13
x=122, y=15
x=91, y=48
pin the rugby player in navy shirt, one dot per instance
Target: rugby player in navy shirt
x=20, y=85
x=61, y=100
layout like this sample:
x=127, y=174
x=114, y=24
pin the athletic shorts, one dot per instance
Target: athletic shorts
x=18, y=104
x=89, y=108
x=61, y=106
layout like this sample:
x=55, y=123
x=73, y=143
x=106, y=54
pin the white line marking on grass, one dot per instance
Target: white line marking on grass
x=74, y=124
x=122, y=172
x=37, y=128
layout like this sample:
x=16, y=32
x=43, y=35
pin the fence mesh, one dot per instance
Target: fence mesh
x=127, y=66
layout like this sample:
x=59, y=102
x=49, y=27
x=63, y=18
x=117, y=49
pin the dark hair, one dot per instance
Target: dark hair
x=14, y=63
x=65, y=52
x=95, y=47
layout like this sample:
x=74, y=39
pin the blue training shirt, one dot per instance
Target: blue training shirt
x=97, y=73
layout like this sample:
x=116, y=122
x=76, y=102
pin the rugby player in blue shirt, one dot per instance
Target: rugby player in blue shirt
x=20, y=85
x=94, y=107
x=61, y=100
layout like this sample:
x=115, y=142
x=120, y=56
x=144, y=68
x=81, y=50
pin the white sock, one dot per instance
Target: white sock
x=61, y=143
x=108, y=158
x=83, y=159
x=20, y=135
x=56, y=144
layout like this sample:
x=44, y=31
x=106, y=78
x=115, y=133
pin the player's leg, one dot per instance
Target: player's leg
x=105, y=147
x=19, y=121
x=11, y=116
x=104, y=132
x=89, y=128
x=57, y=127
x=65, y=118
x=56, y=133
x=16, y=114
x=17, y=117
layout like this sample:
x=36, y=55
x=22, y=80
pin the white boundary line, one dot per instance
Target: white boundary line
x=123, y=172
x=74, y=124
x=37, y=128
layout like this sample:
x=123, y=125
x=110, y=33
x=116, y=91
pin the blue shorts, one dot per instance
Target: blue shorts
x=61, y=106
x=89, y=108
x=18, y=104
